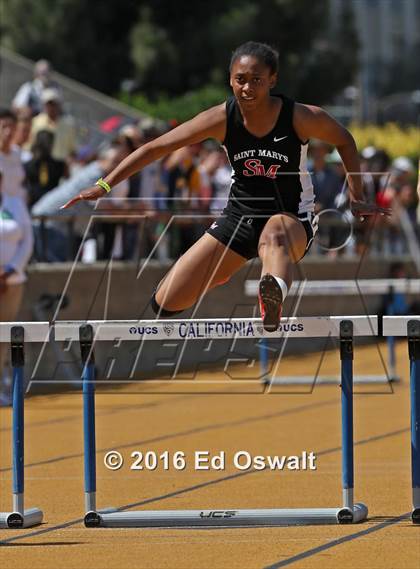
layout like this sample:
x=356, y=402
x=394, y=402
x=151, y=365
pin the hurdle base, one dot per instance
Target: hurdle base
x=92, y=518
x=227, y=518
x=15, y=520
x=415, y=516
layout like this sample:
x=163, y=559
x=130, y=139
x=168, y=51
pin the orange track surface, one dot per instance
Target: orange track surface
x=133, y=418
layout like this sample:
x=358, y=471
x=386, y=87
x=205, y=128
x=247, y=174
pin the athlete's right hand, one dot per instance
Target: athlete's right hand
x=92, y=193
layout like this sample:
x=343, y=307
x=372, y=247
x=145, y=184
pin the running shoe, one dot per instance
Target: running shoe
x=270, y=299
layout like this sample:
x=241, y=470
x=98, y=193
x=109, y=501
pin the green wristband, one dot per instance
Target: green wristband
x=104, y=185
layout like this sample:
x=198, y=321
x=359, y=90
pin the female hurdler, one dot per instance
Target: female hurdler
x=270, y=207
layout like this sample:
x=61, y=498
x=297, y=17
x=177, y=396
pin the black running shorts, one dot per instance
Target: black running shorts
x=242, y=233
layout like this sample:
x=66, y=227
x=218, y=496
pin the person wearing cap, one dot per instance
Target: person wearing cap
x=29, y=95
x=402, y=173
x=62, y=126
x=398, y=192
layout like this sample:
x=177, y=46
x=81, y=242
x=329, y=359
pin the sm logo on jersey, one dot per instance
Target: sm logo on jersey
x=254, y=167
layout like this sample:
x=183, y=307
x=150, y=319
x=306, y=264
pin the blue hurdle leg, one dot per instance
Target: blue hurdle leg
x=264, y=360
x=346, y=354
x=18, y=440
x=413, y=329
x=86, y=342
x=89, y=436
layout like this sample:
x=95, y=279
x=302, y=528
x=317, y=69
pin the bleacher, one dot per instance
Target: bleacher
x=87, y=106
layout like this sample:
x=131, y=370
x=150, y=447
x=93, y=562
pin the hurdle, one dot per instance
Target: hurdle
x=16, y=336
x=90, y=332
x=320, y=288
x=409, y=326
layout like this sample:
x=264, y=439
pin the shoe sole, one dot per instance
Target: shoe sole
x=271, y=298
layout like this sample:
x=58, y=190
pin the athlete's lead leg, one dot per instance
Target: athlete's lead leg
x=207, y=264
x=282, y=244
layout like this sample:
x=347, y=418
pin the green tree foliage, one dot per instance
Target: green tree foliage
x=88, y=41
x=178, y=107
x=315, y=63
x=172, y=48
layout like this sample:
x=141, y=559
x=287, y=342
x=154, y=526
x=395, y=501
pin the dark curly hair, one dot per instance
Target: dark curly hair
x=263, y=52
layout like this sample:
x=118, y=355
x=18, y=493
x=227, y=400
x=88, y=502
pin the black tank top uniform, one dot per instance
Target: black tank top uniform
x=269, y=176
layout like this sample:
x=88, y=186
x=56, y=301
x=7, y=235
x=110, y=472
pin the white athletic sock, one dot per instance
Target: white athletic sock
x=282, y=284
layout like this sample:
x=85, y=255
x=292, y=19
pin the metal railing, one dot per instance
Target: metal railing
x=336, y=237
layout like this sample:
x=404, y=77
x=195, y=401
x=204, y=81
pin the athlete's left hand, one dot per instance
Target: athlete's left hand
x=362, y=209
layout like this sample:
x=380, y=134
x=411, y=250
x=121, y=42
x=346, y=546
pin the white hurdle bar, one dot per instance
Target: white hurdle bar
x=214, y=329
x=16, y=335
x=341, y=288
x=320, y=288
x=344, y=328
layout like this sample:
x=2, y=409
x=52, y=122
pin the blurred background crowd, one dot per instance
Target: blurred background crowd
x=43, y=162
x=62, y=128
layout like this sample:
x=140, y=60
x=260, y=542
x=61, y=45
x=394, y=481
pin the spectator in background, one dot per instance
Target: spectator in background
x=374, y=163
x=22, y=134
x=326, y=183
x=184, y=192
x=111, y=235
x=29, y=95
x=16, y=237
x=59, y=246
x=400, y=175
x=131, y=137
x=62, y=126
x=154, y=199
x=43, y=172
x=399, y=193
x=367, y=157
x=221, y=181
x=84, y=155
x=127, y=234
x=327, y=188
x=10, y=157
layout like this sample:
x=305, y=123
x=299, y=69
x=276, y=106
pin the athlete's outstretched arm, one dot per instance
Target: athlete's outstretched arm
x=208, y=124
x=314, y=122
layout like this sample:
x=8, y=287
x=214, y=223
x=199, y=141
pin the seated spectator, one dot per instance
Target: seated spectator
x=10, y=157
x=83, y=156
x=16, y=237
x=184, y=192
x=221, y=180
x=400, y=175
x=29, y=94
x=127, y=234
x=62, y=126
x=327, y=188
x=59, y=246
x=16, y=248
x=23, y=134
x=374, y=163
x=327, y=184
x=398, y=192
x=43, y=172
